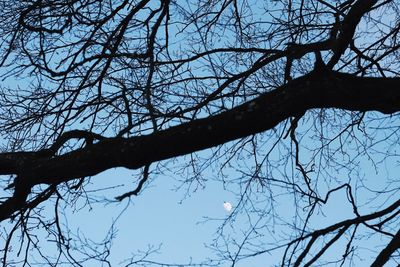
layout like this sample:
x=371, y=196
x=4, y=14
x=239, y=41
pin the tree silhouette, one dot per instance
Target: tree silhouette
x=306, y=91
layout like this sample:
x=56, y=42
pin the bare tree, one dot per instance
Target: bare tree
x=306, y=91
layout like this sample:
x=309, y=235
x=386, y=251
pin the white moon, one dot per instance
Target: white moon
x=227, y=206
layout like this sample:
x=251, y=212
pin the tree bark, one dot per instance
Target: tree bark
x=384, y=255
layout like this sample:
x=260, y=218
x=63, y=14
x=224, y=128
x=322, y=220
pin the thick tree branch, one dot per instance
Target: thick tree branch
x=348, y=28
x=316, y=90
x=319, y=89
x=385, y=254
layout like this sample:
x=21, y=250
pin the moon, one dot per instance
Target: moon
x=227, y=206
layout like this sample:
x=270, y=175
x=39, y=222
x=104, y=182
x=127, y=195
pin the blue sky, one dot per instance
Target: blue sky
x=161, y=216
